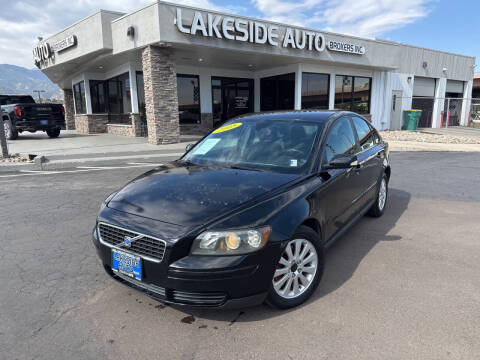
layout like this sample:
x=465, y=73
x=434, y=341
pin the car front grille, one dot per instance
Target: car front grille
x=146, y=246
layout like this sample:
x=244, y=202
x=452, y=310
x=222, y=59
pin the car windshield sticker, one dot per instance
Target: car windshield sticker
x=293, y=163
x=227, y=128
x=206, y=146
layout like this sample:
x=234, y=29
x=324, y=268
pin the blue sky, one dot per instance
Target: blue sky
x=450, y=26
x=447, y=25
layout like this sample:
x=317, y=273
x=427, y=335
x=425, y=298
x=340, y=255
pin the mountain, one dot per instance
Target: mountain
x=20, y=80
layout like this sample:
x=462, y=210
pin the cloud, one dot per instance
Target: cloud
x=22, y=21
x=365, y=18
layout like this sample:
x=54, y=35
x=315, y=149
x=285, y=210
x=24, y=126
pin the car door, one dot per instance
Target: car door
x=370, y=158
x=334, y=198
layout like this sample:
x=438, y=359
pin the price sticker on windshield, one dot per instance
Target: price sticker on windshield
x=227, y=128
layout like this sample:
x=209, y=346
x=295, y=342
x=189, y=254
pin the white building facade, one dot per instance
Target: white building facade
x=167, y=69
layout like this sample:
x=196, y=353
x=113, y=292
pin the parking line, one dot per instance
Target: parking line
x=79, y=169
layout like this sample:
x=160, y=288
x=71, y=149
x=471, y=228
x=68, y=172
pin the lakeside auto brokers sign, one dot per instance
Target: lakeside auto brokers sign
x=43, y=52
x=256, y=32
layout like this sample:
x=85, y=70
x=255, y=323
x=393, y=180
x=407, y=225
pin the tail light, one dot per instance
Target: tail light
x=63, y=110
x=17, y=111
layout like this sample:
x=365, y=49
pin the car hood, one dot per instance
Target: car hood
x=193, y=195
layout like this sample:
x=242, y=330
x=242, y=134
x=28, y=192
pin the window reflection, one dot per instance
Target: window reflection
x=315, y=90
x=113, y=95
x=188, y=89
x=352, y=93
x=79, y=96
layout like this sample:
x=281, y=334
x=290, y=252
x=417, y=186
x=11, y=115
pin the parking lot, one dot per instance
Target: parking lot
x=405, y=286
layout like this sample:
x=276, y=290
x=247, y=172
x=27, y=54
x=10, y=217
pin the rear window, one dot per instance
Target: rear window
x=9, y=100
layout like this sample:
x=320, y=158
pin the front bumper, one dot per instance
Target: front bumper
x=207, y=281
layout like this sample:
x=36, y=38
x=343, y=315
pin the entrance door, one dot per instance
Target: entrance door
x=396, y=114
x=231, y=97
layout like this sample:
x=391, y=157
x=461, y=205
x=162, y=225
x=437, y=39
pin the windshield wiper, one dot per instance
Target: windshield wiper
x=238, y=167
x=186, y=162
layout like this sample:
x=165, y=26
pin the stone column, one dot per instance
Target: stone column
x=136, y=125
x=69, y=109
x=161, y=98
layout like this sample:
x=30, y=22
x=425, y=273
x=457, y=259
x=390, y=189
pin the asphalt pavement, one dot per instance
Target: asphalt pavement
x=405, y=286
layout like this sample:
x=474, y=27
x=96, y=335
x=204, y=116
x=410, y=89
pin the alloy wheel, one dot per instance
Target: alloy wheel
x=296, y=269
x=382, y=194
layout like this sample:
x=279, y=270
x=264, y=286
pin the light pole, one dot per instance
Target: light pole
x=39, y=92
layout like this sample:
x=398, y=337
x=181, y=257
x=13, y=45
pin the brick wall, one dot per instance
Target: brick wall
x=69, y=109
x=120, y=129
x=91, y=123
x=161, y=99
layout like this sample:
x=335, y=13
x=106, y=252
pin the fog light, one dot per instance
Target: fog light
x=232, y=241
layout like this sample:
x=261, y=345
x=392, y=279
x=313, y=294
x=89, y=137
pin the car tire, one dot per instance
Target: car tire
x=378, y=208
x=10, y=132
x=53, y=133
x=293, y=272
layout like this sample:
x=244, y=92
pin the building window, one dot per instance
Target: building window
x=113, y=95
x=97, y=94
x=352, y=93
x=79, y=95
x=277, y=92
x=188, y=89
x=141, y=94
x=315, y=90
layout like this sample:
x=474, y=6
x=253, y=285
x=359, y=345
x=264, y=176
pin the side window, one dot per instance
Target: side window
x=367, y=136
x=341, y=140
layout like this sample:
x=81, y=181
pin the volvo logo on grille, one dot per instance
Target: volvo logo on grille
x=127, y=240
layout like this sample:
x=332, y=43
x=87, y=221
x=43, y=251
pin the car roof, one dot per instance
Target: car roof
x=321, y=116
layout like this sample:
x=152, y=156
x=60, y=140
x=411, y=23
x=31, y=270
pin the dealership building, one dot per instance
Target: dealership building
x=167, y=70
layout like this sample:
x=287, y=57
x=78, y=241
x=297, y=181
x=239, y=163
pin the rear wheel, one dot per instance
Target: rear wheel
x=378, y=207
x=10, y=132
x=53, y=133
x=298, y=271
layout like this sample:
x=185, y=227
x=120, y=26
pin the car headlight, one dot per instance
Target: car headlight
x=107, y=200
x=233, y=242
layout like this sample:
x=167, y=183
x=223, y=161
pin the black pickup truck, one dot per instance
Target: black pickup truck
x=26, y=115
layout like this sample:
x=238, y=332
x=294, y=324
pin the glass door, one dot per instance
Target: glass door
x=231, y=97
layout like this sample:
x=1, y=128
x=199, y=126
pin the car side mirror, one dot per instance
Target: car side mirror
x=188, y=147
x=342, y=162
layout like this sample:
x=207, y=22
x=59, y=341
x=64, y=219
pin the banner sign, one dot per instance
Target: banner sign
x=65, y=43
x=346, y=47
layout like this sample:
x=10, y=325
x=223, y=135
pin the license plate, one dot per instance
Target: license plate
x=127, y=264
x=44, y=109
x=43, y=122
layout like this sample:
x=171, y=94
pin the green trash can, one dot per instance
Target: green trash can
x=410, y=119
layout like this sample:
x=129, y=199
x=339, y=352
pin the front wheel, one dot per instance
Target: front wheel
x=10, y=132
x=378, y=207
x=298, y=271
x=53, y=133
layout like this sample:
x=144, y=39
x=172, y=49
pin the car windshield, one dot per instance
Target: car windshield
x=285, y=146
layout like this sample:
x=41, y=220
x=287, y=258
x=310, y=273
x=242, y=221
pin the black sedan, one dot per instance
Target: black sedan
x=246, y=214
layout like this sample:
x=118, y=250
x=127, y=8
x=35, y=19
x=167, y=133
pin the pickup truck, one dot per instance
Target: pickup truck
x=26, y=115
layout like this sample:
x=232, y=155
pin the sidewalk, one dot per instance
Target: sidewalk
x=459, y=139
x=72, y=149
